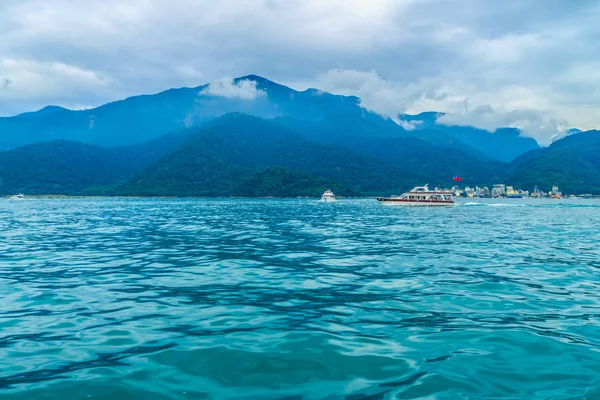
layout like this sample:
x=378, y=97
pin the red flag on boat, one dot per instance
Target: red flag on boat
x=457, y=178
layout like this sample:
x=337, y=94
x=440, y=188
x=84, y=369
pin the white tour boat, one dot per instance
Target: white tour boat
x=420, y=196
x=17, y=197
x=328, y=196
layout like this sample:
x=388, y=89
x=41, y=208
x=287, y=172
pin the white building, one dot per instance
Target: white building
x=499, y=190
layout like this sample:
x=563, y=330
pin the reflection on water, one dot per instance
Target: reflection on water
x=296, y=299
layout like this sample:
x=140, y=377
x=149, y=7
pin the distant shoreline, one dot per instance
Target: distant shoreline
x=34, y=197
x=51, y=196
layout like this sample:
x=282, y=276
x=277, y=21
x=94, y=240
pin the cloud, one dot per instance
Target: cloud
x=41, y=83
x=541, y=125
x=464, y=104
x=379, y=95
x=411, y=55
x=409, y=126
x=243, y=89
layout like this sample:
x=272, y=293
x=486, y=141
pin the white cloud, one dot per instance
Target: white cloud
x=506, y=50
x=406, y=54
x=541, y=125
x=49, y=83
x=465, y=104
x=242, y=89
x=379, y=95
x=409, y=126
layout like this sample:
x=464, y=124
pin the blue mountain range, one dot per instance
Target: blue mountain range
x=247, y=137
x=142, y=118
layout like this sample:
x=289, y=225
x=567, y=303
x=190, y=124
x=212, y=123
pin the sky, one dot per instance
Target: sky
x=531, y=64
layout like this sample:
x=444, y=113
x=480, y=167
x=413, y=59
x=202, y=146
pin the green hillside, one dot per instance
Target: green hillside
x=59, y=167
x=572, y=163
x=433, y=155
x=73, y=168
x=242, y=155
x=231, y=149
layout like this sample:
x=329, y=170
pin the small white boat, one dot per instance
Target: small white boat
x=420, y=196
x=328, y=196
x=19, y=196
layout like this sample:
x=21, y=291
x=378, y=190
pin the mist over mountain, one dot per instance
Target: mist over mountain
x=564, y=134
x=503, y=144
x=142, y=118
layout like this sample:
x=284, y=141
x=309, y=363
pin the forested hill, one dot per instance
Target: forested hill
x=243, y=155
x=572, y=163
x=239, y=155
x=73, y=168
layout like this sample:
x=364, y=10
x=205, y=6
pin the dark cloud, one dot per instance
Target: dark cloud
x=398, y=55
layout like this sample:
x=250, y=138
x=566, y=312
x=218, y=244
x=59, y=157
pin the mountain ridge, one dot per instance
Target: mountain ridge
x=242, y=155
x=141, y=118
x=504, y=144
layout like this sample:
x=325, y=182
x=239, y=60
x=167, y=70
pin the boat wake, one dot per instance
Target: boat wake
x=474, y=204
x=541, y=205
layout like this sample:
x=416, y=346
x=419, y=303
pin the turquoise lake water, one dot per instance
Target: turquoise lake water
x=295, y=299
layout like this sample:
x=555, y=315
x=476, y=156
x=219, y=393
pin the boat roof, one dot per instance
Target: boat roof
x=425, y=190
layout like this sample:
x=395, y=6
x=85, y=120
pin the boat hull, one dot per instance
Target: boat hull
x=413, y=203
x=328, y=200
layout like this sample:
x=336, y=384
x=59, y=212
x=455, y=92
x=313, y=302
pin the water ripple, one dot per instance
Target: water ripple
x=291, y=299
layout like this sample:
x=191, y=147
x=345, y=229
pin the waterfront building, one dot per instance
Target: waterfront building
x=499, y=190
x=482, y=191
x=524, y=193
x=456, y=191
